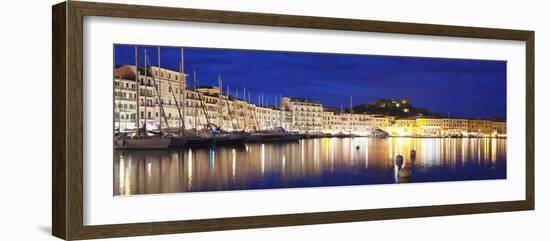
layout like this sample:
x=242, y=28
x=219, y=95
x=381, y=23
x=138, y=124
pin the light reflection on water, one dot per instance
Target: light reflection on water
x=309, y=163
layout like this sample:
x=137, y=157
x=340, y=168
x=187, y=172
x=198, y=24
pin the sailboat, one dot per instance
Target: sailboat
x=142, y=139
x=191, y=138
x=142, y=142
x=277, y=134
x=222, y=137
x=213, y=135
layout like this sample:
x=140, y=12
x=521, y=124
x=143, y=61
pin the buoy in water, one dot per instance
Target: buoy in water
x=399, y=160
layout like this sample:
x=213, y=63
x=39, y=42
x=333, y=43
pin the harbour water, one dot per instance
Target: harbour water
x=308, y=163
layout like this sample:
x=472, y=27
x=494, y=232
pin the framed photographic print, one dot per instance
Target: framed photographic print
x=170, y=120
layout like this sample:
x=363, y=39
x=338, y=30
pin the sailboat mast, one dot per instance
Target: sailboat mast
x=256, y=127
x=159, y=100
x=183, y=90
x=236, y=107
x=203, y=106
x=171, y=90
x=158, y=90
x=220, y=96
x=281, y=120
x=229, y=110
x=146, y=82
x=195, y=99
x=181, y=121
x=138, y=87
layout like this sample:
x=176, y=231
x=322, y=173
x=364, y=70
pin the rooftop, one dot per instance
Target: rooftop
x=303, y=100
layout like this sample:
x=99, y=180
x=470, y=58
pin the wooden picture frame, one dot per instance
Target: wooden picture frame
x=67, y=123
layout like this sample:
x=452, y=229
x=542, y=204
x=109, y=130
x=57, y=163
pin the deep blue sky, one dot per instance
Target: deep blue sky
x=462, y=88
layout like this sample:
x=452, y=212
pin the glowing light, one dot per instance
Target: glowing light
x=284, y=163
x=212, y=161
x=493, y=149
x=189, y=169
x=367, y=153
x=121, y=183
x=263, y=159
x=233, y=165
x=302, y=152
x=149, y=170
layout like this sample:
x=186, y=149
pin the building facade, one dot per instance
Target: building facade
x=307, y=115
x=442, y=127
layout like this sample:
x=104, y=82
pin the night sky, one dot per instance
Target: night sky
x=458, y=87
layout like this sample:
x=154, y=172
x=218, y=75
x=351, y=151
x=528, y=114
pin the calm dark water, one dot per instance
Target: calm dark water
x=309, y=163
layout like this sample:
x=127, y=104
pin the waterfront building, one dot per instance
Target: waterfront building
x=125, y=104
x=343, y=123
x=478, y=126
x=159, y=94
x=455, y=126
x=271, y=117
x=239, y=107
x=194, y=113
x=214, y=108
x=360, y=124
x=404, y=127
x=499, y=127
x=371, y=125
x=251, y=117
x=380, y=121
x=331, y=122
x=307, y=115
x=263, y=117
x=353, y=123
x=430, y=126
x=168, y=89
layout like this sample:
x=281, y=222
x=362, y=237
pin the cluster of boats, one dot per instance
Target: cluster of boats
x=155, y=140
